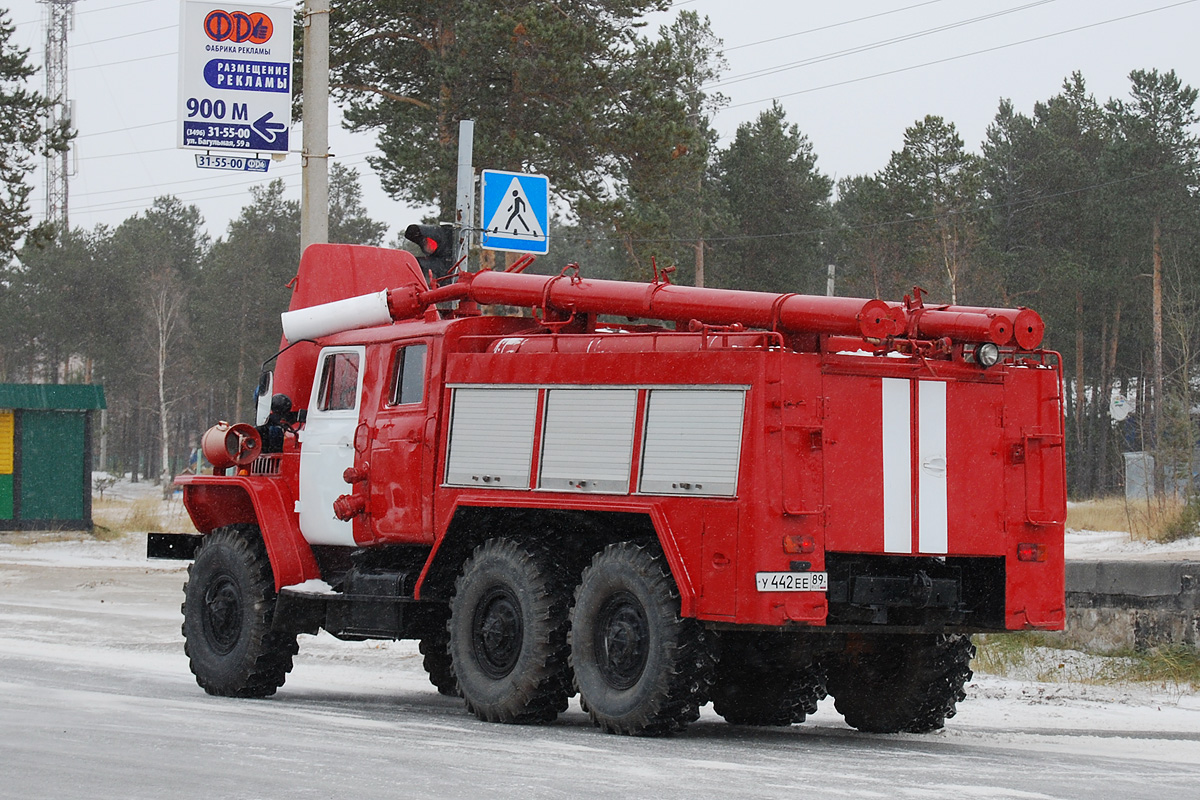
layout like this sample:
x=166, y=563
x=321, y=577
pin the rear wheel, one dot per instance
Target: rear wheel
x=228, y=607
x=640, y=668
x=902, y=683
x=508, y=633
x=766, y=679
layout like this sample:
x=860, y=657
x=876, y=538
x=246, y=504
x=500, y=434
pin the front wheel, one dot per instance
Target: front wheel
x=640, y=668
x=228, y=606
x=435, y=647
x=508, y=633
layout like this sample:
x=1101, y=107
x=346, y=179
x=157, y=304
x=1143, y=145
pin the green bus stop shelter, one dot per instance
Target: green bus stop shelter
x=46, y=455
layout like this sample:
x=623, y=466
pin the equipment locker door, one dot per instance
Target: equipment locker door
x=327, y=443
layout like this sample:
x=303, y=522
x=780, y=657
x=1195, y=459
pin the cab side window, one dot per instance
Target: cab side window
x=408, y=375
x=339, y=382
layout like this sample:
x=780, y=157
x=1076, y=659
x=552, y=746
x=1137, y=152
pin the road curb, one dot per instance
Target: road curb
x=1117, y=605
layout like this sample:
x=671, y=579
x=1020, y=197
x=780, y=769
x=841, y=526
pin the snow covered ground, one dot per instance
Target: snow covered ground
x=1119, y=545
x=96, y=700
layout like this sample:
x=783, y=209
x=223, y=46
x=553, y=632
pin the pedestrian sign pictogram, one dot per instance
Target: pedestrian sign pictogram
x=515, y=212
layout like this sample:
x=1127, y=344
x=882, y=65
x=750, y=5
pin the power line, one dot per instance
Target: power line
x=39, y=53
x=956, y=57
x=124, y=155
x=285, y=172
x=123, y=130
x=831, y=26
x=126, y=36
x=112, y=8
x=126, y=61
x=96, y=10
x=132, y=153
x=908, y=37
x=289, y=167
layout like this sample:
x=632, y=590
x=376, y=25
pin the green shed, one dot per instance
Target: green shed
x=46, y=455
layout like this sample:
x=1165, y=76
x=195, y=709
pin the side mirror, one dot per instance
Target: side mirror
x=263, y=410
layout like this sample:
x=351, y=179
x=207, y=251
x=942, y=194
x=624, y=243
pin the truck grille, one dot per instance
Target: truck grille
x=266, y=465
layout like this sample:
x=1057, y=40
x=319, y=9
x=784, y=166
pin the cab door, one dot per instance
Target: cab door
x=327, y=443
x=400, y=455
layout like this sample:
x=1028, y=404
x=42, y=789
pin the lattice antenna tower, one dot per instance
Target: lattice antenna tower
x=60, y=20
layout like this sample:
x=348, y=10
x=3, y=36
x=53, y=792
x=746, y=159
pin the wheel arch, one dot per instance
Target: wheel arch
x=234, y=500
x=589, y=531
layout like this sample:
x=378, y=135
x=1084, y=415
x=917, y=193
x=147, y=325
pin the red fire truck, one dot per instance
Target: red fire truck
x=654, y=496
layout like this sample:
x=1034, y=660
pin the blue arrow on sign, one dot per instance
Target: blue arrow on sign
x=515, y=212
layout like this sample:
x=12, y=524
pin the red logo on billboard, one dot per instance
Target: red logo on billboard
x=238, y=26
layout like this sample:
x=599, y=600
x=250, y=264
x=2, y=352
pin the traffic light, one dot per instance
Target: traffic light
x=437, y=242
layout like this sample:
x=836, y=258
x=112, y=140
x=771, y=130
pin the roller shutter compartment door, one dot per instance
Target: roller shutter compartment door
x=693, y=442
x=588, y=440
x=491, y=437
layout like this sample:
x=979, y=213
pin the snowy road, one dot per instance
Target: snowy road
x=96, y=701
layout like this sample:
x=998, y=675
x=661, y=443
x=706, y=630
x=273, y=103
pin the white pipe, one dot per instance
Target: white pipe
x=364, y=311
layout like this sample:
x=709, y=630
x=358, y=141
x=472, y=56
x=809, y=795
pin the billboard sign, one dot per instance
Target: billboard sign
x=235, y=77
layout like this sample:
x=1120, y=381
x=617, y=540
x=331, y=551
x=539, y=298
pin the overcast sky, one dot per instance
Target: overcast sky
x=852, y=74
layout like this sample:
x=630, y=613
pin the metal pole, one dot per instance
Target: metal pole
x=464, y=206
x=314, y=192
x=60, y=21
x=829, y=281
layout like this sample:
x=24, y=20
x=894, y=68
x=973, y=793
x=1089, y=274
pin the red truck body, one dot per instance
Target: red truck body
x=837, y=468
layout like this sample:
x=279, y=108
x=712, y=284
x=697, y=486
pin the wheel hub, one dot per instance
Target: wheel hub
x=622, y=640
x=222, y=614
x=497, y=632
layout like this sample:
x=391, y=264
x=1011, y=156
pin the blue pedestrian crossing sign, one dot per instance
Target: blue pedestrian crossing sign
x=515, y=212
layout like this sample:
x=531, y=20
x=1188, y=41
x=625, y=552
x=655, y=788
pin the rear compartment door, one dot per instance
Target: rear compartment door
x=913, y=466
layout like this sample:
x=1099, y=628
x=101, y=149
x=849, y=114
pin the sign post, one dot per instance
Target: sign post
x=235, y=79
x=515, y=212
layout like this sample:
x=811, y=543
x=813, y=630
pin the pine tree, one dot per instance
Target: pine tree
x=22, y=136
x=540, y=79
x=778, y=204
x=936, y=181
x=348, y=220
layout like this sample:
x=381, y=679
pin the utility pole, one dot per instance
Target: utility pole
x=314, y=166
x=60, y=20
x=464, y=210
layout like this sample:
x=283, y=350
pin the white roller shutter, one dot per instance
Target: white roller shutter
x=693, y=441
x=491, y=437
x=588, y=440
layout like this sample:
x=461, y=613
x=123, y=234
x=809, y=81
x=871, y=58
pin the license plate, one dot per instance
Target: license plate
x=792, y=581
